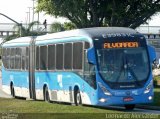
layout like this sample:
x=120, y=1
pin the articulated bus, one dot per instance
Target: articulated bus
x=92, y=66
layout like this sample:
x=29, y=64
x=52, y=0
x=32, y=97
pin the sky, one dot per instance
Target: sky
x=17, y=10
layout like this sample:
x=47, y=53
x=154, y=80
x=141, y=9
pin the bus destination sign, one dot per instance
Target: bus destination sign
x=121, y=45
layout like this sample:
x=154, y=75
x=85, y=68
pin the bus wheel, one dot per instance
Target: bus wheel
x=77, y=98
x=46, y=95
x=130, y=106
x=12, y=91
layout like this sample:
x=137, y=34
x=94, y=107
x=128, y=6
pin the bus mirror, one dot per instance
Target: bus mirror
x=91, y=56
x=152, y=53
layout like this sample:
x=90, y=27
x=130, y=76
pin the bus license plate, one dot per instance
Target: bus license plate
x=127, y=99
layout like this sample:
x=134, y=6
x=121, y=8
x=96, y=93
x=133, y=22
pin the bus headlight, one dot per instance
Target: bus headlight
x=149, y=87
x=106, y=92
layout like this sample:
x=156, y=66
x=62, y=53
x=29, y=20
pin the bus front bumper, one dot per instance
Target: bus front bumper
x=119, y=100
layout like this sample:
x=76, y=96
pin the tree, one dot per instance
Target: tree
x=56, y=27
x=69, y=26
x=22, y=31
x=93, y=13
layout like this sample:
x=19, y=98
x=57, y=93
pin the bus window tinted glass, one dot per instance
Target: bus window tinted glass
x=12, y=58
x=23, y=57
x=4, y=57
x=77, y=55
x=59, y=56
x=68, y=56
x=8, y=58
x=37, y=57
x=86, y=45
x=27, y=58
x=18, y=58
x=51, y=57
x=43, y=58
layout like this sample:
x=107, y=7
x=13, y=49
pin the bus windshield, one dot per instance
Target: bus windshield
x=124, y=65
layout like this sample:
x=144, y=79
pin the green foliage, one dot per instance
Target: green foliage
x=156, y=81
x=23, y=106
x=69, y=26
x=57, y=26
x=156, y=97
x=93, y=13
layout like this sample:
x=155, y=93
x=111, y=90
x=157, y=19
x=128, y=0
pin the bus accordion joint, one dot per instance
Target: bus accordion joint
x=121, y=45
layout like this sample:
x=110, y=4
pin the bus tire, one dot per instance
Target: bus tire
x=12, y=91
x=130, y=106
x=46, y=95
x=77, y=98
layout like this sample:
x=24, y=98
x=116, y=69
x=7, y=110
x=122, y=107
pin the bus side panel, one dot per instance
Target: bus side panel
x=19, y=80
x=61, y=87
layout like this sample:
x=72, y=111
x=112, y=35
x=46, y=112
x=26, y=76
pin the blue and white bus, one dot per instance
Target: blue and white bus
x=94, y=66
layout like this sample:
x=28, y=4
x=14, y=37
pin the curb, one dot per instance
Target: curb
x=148, y=107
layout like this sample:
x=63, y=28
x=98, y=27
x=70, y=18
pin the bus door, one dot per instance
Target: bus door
x=89, y=75
x=32, y=69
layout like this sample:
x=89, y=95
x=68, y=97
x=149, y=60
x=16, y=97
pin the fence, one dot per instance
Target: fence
x=40, y=27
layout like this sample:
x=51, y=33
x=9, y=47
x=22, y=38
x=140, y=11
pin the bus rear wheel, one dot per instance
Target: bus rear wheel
x=12, y=91
x=77, y=98
x=46, y=95
x=130, y=106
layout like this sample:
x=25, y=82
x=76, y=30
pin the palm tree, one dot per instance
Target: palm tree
x=22, y=31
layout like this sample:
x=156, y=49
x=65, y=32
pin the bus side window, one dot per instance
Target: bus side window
x=37, y=58
x=4, y=57
x=51, y=57
x=18, y=58
x=77, y=55
x=27, y=58
x=12, y=58
x=89, y=73
x=23, y=53
x=43, y=58
x=59, y=56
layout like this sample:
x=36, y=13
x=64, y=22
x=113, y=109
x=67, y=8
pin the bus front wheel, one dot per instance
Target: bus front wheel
x=77, y=98
x=46, y=95
x=130, y=106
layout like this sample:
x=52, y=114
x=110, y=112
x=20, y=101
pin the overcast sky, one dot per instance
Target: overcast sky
x=17, y=10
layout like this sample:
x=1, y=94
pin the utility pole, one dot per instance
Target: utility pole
x=29, y=14
x=27, y=19
x=33, y=11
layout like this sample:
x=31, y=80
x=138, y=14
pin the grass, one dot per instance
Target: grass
x=40, y=110
x=23, y=106
x=22, y=109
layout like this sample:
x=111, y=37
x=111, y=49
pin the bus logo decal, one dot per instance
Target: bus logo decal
x=59, y=78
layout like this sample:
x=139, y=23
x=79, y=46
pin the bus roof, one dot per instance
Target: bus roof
x=88, y=33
